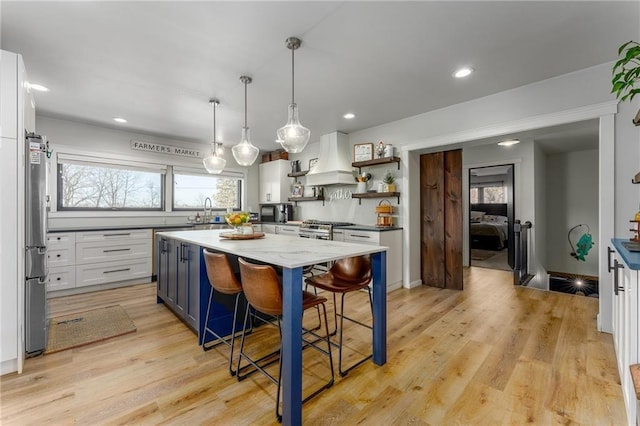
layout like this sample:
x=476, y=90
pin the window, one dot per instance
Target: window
x=86, y=183
x=190, y=189
x=487, y=194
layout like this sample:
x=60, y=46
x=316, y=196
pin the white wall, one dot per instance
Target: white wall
x=572, y=199
x=71, y=137
x=558, y=100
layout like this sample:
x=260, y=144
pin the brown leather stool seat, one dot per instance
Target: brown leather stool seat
x=345, y=276
x=263, y=291
x=222, y=280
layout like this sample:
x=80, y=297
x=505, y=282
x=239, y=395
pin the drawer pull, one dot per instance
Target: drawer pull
x=58, y=255
x=117, y=235
x=108, y=251
x=360, y=236
x=117, y=270
x=58, y=279
x=58, y=238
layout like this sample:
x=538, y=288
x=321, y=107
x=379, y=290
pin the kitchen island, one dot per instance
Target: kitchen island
x=292, y=254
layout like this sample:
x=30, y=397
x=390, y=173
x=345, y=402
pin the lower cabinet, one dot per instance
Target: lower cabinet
x=388, y=238
x=183, y=286
x=626, y=301
x=179, y=279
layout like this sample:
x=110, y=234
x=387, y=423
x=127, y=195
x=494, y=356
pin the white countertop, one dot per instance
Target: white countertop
x=282, y=250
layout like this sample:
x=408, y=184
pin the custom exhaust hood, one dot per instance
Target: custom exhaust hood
x=334, y=162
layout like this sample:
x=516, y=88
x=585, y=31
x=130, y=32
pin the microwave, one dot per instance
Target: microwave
x=277, y=213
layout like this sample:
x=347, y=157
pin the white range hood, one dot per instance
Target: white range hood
x=334, y=162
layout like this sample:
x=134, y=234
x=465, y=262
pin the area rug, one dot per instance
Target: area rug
x=83, y=328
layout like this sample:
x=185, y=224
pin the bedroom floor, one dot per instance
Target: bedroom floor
x=491, y=259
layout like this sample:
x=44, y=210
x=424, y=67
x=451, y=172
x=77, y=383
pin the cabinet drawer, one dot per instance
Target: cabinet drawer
x=61, y=278
x=115, y=235
x=61, y=256
x=58, y=240
x=100, y=273
x=364, y=237
x=99, y=251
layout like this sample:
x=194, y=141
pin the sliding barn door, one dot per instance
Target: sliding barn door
x=441, y=214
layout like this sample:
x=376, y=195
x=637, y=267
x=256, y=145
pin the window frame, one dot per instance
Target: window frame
x=176, y=170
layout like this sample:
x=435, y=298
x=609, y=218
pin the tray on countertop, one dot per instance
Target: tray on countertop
x=232, y=236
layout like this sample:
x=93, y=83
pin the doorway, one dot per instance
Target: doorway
x=491, y=217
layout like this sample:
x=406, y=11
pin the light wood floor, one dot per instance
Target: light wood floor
x=492, y=354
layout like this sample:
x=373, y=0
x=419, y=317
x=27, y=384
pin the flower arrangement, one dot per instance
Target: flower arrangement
x=389, y=178
x=237, y=219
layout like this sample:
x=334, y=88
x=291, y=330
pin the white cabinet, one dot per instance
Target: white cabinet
x=338, y=234
x=626, y=301
x=388, y=238
x=82, y=259
x=287, y=230
x=274, y=183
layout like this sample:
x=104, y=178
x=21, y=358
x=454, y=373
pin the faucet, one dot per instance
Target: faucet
x=204, y=212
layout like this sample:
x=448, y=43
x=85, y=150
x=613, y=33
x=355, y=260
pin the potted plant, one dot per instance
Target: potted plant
x=389, y=179
x=626, y=74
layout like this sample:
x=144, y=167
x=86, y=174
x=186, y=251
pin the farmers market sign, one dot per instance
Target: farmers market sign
x=165, y=149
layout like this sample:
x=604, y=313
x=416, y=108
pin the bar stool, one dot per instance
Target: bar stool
x=263, y=291
x=345, y=276
x=223, y=280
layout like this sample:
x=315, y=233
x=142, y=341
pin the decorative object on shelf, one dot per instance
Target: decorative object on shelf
x=293, y=136
x=362, y=152
x=245, y=153
x=384, y=210
x=636, y=179
x=295, y=166
x=389, y=179
x=312, y=163
x=362, y=180
x=297, y=190
x=214, y=163
x=380, y=150
x=626, y=74
x=388, y=150
x=237, y=220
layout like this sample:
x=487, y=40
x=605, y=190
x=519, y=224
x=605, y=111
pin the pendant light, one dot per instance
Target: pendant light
x=245, y=152
x=214, y=163
x=293, y=136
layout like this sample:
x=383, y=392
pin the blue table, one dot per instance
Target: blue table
x=292, y=254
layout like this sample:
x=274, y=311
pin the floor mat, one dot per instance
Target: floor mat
x=82, y=328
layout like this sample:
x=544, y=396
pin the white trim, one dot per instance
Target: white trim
x=546, y=120
x=90, y=160
x=606, y=218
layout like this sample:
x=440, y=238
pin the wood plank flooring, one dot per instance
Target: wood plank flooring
x=491, y=354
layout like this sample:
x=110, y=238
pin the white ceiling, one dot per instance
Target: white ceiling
x=158, y=63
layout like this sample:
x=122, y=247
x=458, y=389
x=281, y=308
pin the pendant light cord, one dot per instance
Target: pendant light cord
x=245, y=103
x=292, y=77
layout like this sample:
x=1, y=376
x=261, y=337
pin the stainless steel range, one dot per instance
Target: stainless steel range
x=319, y=229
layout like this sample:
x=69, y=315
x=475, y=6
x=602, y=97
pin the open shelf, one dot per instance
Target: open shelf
x=301, y=199
x=298, y=174
x=376, y=162
x=360, y=196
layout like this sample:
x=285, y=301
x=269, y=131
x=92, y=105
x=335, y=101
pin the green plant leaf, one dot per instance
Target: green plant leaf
x=621, y=48
x=634, y=52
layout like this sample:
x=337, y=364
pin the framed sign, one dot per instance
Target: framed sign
x=362, y=152
x=312, y=163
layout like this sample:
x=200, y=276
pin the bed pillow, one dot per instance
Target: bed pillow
x=495, y=218
x=477, y=215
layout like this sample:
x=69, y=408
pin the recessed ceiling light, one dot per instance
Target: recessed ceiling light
x=349, y=116
x=38, y=87
x=119, y=120
x=463, y=72
x=509, y=142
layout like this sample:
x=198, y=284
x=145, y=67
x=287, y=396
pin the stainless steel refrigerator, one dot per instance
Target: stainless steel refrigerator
x=36, y=265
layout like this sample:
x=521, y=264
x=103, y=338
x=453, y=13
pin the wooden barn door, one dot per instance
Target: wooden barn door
x=441, y=214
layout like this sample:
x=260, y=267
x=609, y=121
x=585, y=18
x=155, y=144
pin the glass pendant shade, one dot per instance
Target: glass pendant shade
x=245, y=152
x=214, y=163
x=293, y=136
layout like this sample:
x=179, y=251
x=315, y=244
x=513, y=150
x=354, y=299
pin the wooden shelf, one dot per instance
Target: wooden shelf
x=298, y=174
x=360, y=196
x=376, y=162
x=301, y=199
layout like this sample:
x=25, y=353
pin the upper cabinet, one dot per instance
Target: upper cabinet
x=274, y=183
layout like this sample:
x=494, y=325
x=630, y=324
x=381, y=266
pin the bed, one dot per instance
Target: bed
x=489, y=226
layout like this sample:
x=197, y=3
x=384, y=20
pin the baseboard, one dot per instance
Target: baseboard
x=394, y=286
x=414, y=284
x=9, y=366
